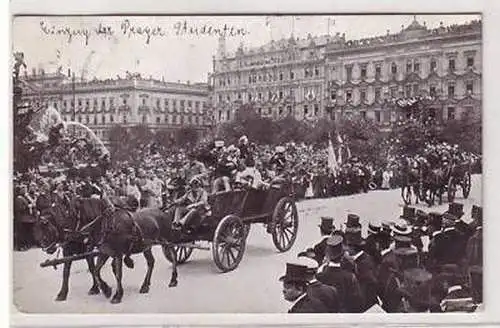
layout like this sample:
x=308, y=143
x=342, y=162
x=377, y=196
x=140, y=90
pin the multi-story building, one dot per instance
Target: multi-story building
x=329, y=76
x=99, y=104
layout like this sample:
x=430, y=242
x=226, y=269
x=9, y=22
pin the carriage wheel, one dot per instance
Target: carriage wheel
x=285, y=224
x=229, y=243
x=182, y=254
x=466, y=185
x=452, y=189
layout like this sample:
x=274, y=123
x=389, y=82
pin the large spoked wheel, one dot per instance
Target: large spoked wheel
x=285, y=224
x=182, y=254
x=229, y=243
x=466, y=185
x=452, y=189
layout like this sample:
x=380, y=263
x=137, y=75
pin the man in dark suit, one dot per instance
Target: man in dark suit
x=317, y=252
x=346, y=283
x=372, y=242
x=295, y=287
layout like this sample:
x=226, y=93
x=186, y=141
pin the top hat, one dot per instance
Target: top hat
x=334, y=248
x=477, y=213
x=408, y=213
x=456, y=209
x=401, y=228
x=295, y=273
x=374, y=227
x=326, y=223
x=352, y=224
x=435, y=219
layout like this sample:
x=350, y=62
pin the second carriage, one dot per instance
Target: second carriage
x=228, y=226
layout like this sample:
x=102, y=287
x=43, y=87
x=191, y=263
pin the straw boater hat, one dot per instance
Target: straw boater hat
x=374, y=227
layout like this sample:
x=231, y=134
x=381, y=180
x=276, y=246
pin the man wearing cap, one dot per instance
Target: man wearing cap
x=346, y=283
x=296, y=283
x=317, y=253
x=194, y=203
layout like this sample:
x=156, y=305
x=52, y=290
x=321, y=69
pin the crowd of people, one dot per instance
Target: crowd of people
x=422, y=262
x=155, y=176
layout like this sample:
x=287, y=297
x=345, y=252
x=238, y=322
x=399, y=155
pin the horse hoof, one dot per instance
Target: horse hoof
x=172, y=284
x=116, y=300
x=144, y=290
x=61, y=298
x=94, y=290
x=107, y=291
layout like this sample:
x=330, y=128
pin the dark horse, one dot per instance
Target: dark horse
x=125, y=233
x=74, y=226
x=433, y=181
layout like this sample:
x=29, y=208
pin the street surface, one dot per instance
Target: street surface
x=252, y=288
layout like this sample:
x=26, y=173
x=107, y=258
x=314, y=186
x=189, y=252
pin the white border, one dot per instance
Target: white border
x=491, y=116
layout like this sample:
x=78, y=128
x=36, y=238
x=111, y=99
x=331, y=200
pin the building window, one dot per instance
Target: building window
x=289, y=109
x=281, y=76
x=190, y=103
x=165, y=103
x=348, y=70
x=377, y=116
x=394, y=68
x=451, y=64
x=112, y=102
x=306, y=72
x=416, y=66
x=124, y=119
x=378, y=71
x=158, y=120
x=79, y=102
x=333, y=94
x=249, y=80
x=144, y=119
x=316, y=109
x=306, y=110
x=470, y=61
x=87, y=119
x=316, y=71
x=378, y=93
x=55, y=105
x=363, y=114
x=104, y=119
x=124, y=101
x=95, y=120
x=281, y=94
x=249, y=97
x=348, y=95
x=292, y=75
x=65, y=104
x=111, y=119
x=220, y=98
x=433, y=65
x=228, y=115
x=158, y=103
x=144, y=101
x=103, y=104
x=469, y=87
x=451, y=90
x=432, y=90
x=280, y=111
x=259, y=96
x=363, y=72
x=394, y=91
x=408, y=90
x=239, y=96
x=362, y=96
x=415, y=89
x=451, y=113
x=408, y=66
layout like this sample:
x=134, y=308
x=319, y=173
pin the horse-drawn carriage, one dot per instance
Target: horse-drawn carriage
x=229, y=224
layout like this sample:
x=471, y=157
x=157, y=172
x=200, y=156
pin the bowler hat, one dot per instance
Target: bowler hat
x=408, y=213
x=326, y=224
x=295, y=273
x=334, y=248
x=456, y=209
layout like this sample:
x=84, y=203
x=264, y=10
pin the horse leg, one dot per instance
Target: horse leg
x=173, y=256
x=118, y=271
x=101, y=260
x=63, y=292
x=94, y=290
x=150, y=260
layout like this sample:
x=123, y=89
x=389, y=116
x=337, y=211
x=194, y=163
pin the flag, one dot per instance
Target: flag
x=332, y=160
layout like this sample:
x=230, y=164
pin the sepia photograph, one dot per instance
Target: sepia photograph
x=273, y=164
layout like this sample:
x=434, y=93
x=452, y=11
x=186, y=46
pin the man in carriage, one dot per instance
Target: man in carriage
x=193, y=204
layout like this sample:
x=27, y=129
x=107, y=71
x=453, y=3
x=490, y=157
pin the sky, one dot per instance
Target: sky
x=110, y=45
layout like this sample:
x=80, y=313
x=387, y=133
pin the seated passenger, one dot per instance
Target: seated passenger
x=194, y=203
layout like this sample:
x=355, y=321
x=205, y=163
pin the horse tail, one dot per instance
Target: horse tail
x=128, y=261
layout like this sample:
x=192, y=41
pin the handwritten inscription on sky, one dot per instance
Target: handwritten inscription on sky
x=148, y=33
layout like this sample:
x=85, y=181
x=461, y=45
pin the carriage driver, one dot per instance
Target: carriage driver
x=193, y=203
